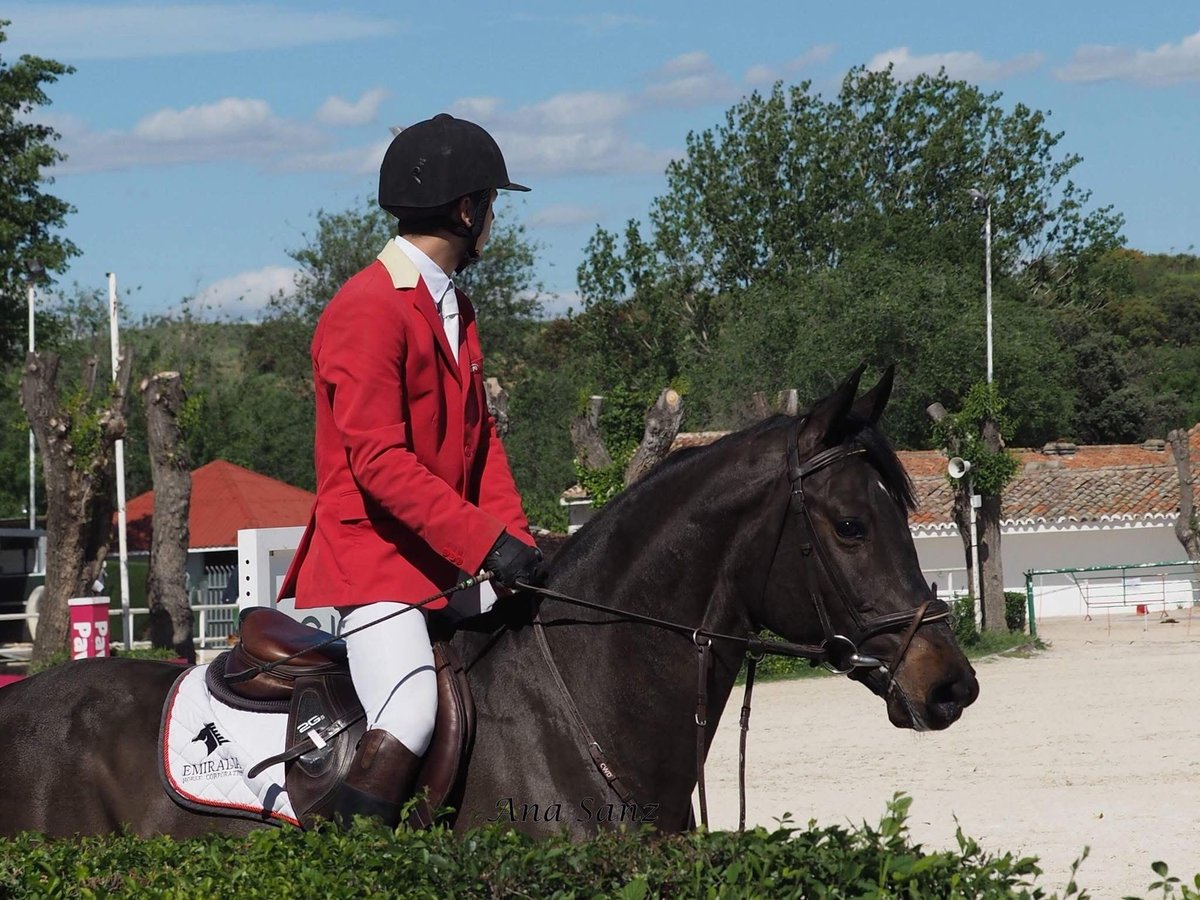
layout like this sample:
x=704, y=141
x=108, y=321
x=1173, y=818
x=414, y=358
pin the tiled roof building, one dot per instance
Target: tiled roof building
x=225, y=498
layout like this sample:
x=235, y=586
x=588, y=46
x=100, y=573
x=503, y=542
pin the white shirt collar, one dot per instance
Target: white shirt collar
x=434, y=276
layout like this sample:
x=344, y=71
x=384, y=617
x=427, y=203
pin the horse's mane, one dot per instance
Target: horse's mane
x=879, y=453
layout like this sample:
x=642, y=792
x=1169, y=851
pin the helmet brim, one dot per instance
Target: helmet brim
x=513, y=186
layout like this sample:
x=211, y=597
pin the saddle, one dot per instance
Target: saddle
x=326, y=720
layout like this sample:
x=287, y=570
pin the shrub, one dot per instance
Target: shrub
x=834, y=861
x=1015, y=605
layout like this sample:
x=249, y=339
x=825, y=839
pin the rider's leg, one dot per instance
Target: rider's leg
x=391, y=665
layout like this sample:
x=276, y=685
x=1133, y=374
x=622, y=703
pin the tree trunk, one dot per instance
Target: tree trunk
x=586, y=441
x=960, y=510
x=662, y=424
x=991, y=566
x=1187, y=524
x=166, y=583
x=76, y=440
x=497, y=404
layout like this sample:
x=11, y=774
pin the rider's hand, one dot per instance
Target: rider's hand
x=511, y=560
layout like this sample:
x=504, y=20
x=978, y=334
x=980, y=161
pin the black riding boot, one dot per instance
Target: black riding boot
x=382, y=775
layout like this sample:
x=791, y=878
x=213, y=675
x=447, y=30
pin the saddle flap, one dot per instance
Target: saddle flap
x=453, y=736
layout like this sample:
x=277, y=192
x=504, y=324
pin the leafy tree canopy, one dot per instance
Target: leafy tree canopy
x=804, y=235
x=29, y=216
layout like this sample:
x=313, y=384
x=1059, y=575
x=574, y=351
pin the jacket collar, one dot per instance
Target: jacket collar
x=401, y=269
x=406, y=276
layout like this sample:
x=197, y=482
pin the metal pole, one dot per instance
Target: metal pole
x=987, y=241
x=975, y=500
x=115, y=346
x=32, y=442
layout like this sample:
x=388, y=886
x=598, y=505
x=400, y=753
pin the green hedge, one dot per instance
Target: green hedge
x=873, y=861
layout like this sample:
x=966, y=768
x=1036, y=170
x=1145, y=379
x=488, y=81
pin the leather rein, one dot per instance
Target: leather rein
x=838, y=653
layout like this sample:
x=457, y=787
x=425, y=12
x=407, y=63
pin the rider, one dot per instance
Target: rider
x=414, y=489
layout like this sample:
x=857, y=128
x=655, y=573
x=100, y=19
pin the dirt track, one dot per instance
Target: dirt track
x=1092, y=742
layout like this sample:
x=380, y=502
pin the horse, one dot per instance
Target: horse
x=587, y=714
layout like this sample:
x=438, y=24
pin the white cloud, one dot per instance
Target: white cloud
x=1167, y=64
x=690, y=80
x=565, y=216
x=965, y=64
x=336, y=111
x=568, y=133
x=74, y=31
x=764, y=74
x=245, y=294
x=557, y=305
x=230, y=128
x=573, y=110
x=350, y=161
x=477, y=109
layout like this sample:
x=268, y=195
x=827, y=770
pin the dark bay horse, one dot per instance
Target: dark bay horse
x=798, y=525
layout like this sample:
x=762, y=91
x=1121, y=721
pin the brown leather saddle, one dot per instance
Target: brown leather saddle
x=325, y=718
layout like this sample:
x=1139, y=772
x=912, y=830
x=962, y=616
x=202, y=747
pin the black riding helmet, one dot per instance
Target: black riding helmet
x=434, y=162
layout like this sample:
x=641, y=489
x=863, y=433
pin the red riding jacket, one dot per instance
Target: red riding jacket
x=413, y=486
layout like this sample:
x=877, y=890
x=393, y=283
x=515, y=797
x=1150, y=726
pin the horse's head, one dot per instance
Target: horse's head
x=846, y=573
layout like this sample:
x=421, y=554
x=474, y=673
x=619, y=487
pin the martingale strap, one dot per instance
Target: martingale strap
x=703, y=667
x=599, y=760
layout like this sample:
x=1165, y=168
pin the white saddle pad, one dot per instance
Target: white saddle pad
x=207, y=747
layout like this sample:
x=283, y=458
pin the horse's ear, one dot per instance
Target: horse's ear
x=828, y=419
x=869, y=407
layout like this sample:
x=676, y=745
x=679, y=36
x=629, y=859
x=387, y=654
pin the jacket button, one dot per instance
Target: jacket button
x=467, y=452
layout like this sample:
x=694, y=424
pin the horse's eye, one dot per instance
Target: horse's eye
x=851, y=529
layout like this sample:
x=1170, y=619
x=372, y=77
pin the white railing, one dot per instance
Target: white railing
x=215, y=622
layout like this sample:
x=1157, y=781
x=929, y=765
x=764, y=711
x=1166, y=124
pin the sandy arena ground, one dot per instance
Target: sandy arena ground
x=1092, y=742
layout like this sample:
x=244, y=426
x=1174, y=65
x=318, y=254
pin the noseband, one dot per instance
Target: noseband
x=840, y=653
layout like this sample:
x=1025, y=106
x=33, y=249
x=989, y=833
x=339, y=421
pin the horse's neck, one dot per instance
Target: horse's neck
x=693, y=559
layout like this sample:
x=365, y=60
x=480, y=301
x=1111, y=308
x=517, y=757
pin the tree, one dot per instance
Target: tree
x=974, y=434
x=76, y=426
x=848, y=223
x=166, y=582
x=29, y=215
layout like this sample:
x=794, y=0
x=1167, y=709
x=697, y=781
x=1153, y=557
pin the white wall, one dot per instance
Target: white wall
x=1041, y=547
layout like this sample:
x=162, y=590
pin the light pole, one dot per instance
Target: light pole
x=982, y=199
x=35, y=271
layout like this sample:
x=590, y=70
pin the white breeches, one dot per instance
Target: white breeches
x=391, y=664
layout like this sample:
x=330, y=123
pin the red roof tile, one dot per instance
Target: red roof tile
x=1091, y=484
x=225, y=498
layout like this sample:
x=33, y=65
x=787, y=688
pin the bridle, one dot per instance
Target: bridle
x=838, y=653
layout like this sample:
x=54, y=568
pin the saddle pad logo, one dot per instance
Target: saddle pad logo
x=223, y=765
x=211, y=737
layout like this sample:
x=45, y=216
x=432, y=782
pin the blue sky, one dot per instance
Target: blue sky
x=202, y=137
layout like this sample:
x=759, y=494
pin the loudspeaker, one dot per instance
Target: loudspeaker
x=958, y=467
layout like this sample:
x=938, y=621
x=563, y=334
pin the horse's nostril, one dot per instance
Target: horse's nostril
x=953, y=694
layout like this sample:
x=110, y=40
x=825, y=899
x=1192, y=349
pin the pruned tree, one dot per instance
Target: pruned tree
x=605, y=467
x=76, y=430
x=166, y=583
x=662, y=424
x=1187, y=525
x=974, y=433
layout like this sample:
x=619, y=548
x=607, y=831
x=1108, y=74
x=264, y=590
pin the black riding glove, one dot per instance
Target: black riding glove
x=511, y=560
